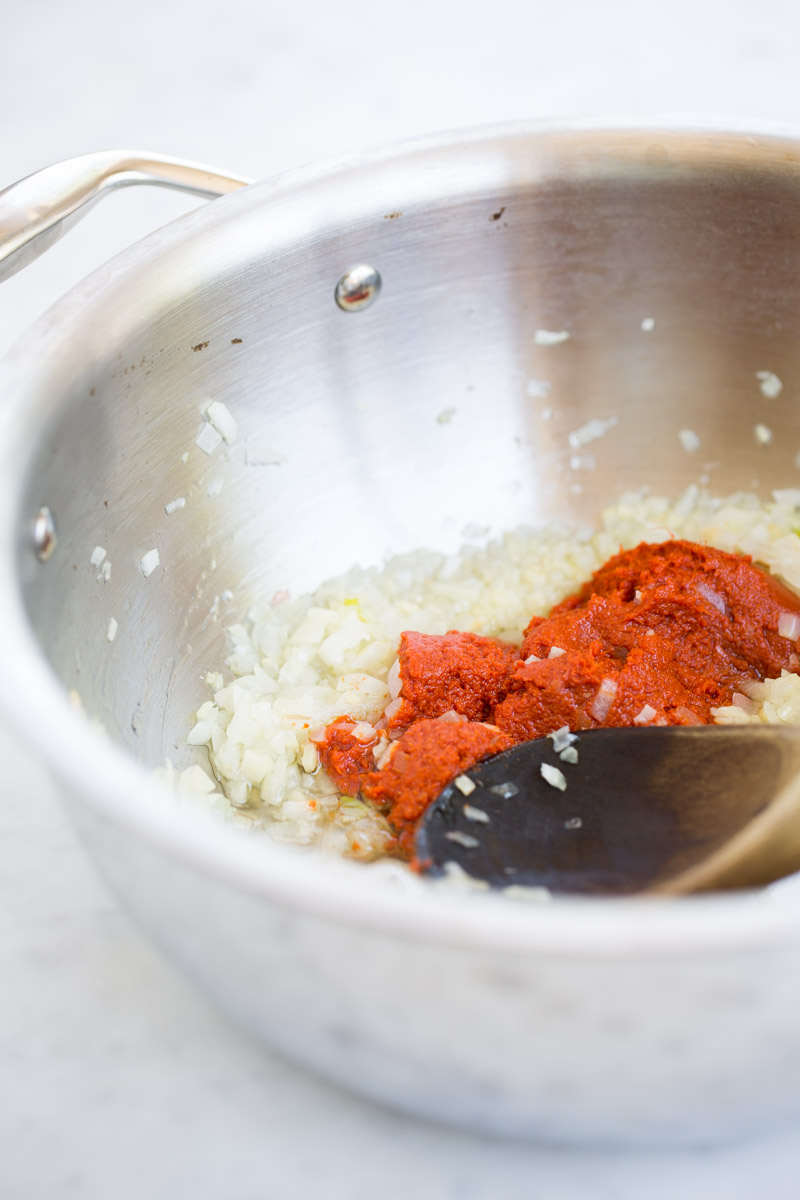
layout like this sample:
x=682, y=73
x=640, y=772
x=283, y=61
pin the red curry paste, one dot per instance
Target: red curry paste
x=423, y=761
x=659, y=635
x=458, y=672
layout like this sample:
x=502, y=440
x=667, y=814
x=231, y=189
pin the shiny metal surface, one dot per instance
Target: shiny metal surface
x=37, y=210
x=358, y=288
x=594, y=237
x=625, y=1020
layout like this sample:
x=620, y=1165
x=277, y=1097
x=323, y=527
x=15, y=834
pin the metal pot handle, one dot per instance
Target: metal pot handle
x=37, y=210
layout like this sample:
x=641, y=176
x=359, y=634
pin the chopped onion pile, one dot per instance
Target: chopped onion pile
x=301, y=663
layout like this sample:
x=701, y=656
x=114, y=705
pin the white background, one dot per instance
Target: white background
x=116, y=1080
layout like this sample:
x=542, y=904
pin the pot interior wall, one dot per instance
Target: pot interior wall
x=431, y=416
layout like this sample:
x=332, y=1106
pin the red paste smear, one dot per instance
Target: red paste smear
x=422, y=763
x=674, y=626
x=346, y=758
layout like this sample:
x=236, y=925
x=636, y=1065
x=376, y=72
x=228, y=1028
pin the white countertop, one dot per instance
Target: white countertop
x=116, y=1079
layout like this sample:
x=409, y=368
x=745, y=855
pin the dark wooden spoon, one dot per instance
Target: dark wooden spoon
x=672, y=809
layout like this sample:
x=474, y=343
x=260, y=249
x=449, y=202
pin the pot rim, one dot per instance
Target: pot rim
x=123, y=793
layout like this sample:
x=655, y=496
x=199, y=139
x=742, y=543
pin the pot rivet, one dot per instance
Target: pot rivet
x=359, y=288
x=44, y=534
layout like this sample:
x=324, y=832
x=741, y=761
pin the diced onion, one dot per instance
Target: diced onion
x=553, y=776
x=464, y=785
x=309, y=760
x=689, y=440
x=475, y=814
x=602, y=702
x=645, y=715
x=393, y=680
x=769, y=383
x=561, y=738
x=504, y=790
x=713, y=598
x=363, y=731
x=687, y=716
x=208, y=439
x=451, y=717
x=549, y=337
x=596, y=428
x=383, y=752
x=392, y=708
x=730, y=715
x=149, y=562
x=462, y=839
x=789, y=626
x=219, y=415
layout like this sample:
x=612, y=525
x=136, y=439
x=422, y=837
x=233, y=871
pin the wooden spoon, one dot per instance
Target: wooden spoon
x=671, y=810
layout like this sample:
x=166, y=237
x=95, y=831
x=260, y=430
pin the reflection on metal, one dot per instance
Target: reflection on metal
x=44, y=534
x=359, y=288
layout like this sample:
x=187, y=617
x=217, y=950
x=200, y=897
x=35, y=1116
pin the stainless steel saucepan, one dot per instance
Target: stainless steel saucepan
x=622, y=1021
